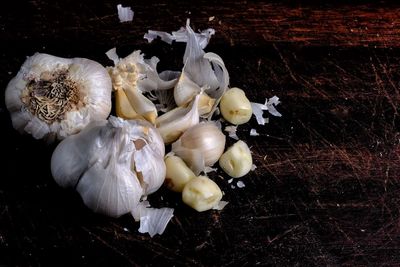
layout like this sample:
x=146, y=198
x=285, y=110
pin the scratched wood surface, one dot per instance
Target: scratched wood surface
x=326, y=188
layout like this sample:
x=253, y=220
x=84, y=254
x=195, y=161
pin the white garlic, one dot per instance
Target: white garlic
x=172, y=124
x=200, y=146
x=237, y=160
x=178, y=173
x=185, y=89
x=136, y=75
x=57, y=97
x=111, y=164
x=202, y=71
x=235, y=106
x=201, y=194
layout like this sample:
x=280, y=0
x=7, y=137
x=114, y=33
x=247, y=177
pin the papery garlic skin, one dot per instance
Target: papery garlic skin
x=201, y=71
x=57, y=97
x=200, y=146
x=107, y=166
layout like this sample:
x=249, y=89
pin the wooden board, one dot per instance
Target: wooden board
x=326, y=187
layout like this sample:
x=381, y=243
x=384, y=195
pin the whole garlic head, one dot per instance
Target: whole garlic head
x=57, y=97
x=111, y=164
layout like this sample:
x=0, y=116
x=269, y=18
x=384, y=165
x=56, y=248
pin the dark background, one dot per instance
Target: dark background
x=326, y=191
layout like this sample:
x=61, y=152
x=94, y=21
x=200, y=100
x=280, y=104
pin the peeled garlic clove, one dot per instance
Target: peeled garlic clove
x=235, y=106
x=57, y=97
x=237, y=160
x=172, y=124
x=203, y=143
x=201, y=194
x=104, y=162
x=178, y=173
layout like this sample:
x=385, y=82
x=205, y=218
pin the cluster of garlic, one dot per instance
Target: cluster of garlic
x=197, y=142
x=115, y=163
x=112, y=164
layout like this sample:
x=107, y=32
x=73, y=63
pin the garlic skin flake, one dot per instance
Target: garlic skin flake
x=53, y=97
x=125, y=14
x=112, y=164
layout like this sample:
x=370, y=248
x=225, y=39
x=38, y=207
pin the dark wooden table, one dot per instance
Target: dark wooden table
x=327, y=188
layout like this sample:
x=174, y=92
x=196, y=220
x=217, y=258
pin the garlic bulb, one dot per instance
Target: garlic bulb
x=57, y=97
x=111, y=164
x=200, y=146
x=136, y=75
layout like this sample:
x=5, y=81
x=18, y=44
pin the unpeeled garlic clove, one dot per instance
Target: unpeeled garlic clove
x=185, y=90
x=141, y=104
x=200, y=146
x=123, y=107
x=172, y=124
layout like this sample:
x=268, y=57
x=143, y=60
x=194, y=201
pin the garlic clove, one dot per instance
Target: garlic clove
x=194, y=158
x=206, y=104
x=109, y=190
x=172, y=124
x=237, y=160
x=178, y=173
x=142, y=105
x=202, y=142
x=235, y=106
x=123, y=107
x=149, y=169
x=201, y=194
x=185, y=90
x=57, y=97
